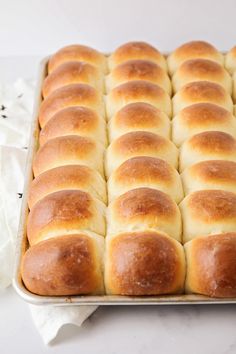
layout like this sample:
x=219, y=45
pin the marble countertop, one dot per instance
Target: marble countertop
x=182, y=329
x=201, y=329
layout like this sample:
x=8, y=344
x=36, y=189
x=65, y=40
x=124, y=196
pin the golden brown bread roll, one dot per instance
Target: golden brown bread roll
x=136, y=117
x=201, y=92
x=212, y=145
x=211, y=265
x=137, y=91
x=144, y=263
x=147, y=172
x=193, y=50
x=73, y=72
x=144, y=208
x=215, y=174
x=201, y=117
x=64, y=265
x=68, y=96
x=201, y=70
x=69, y=150
x=77, y=53
x=63, y=212
x=230, y=60
x=136, y=50
x=67, y=177
x=138, y=70
x=76, y=120
x=208, y=212
x=139, y=143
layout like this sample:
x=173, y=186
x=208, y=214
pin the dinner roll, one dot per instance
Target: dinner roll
x=64, y=265
x=138, y=70
x=69, y=150
x=67, y=177
x=144, y=263
x=72, y=73
x=137, y=91
x=139, y=143
x=66, y=211
x=230, y=60
x=201, y=91
x=201, y=117
x=142, y=209
x=76, y=120
x=68, y=96
x=77, y=52
x=201, y=70
x=136, y=50
x=136, y=117
x=147, y=172
x=215, y=174
x=211, y=265
x=208, y=212
x=193, y=50
x=212, y=145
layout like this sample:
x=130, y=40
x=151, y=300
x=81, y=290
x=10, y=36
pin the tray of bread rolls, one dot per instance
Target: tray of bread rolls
x=130, y=193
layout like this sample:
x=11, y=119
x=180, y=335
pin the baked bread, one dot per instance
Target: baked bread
x=65, y=212
x=136, y=50
x=138, y=70
x=65, y=265
x=230, y=60
x=212, y=145
x=214, y=174
x=139, y=143
x=216, y=276
x=193, y=50
x=201, y=117
x=75, y=120
x=144, y=171
x=69, y=150
x=142, y=209
x=138, y=116
x=73, y=72
x=144, y=263
x=137, y=91
x=76, y=177
x=201, y=92
x=208, y=212
x=201, y=70
x=68, y=96
x=77, y=53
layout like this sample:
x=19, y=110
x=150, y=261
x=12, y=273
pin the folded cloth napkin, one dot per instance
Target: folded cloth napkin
x=16, y=102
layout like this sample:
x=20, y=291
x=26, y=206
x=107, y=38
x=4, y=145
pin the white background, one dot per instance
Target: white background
x=28, y=31
x=34, y=27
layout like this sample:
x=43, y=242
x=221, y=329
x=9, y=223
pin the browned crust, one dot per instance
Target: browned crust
x=204, y=114
x=142, y=202
x=68, y=96
x=72, y=72
x=64, y=265
x=144, y=263
x=70, y=121
x=78, y=53
x=212, y=265
x=212, y=205
x=66, y=209
x=61, y=178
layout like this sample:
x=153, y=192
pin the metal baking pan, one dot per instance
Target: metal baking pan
x=22, y=245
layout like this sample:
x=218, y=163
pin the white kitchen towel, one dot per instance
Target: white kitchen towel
x=16, y=102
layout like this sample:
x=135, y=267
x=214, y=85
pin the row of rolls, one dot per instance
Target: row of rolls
x=134, y=189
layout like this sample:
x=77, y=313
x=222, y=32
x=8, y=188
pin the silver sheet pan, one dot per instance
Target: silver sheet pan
x=22, y=245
